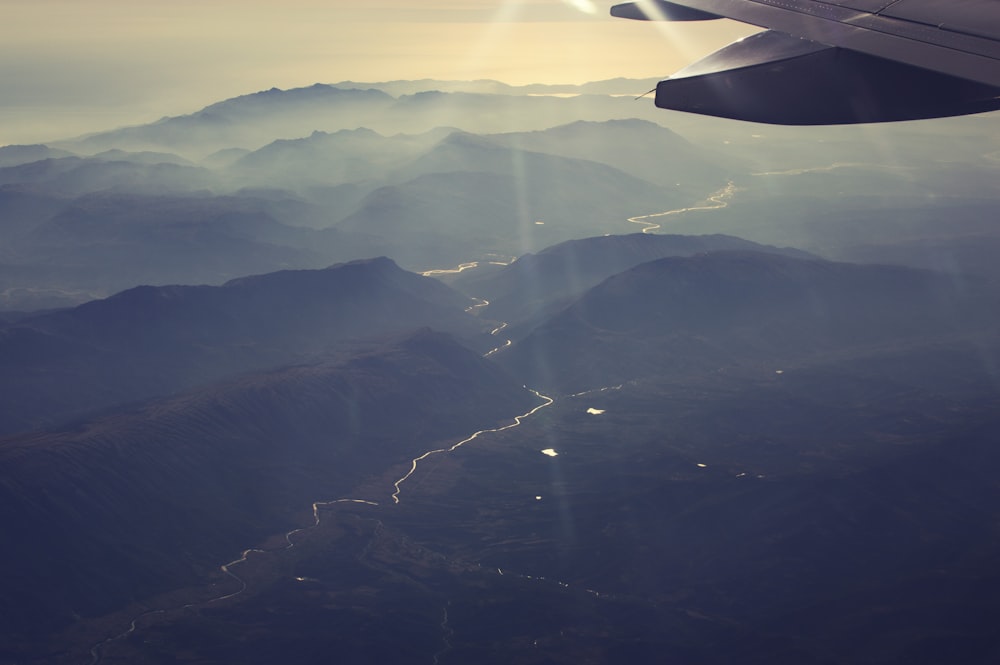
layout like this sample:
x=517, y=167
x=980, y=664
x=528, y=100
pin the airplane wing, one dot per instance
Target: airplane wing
x=838, y=61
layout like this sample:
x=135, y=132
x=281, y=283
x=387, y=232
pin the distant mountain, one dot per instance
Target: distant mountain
x=139, y=501
x=108, y=242
x=74, y=176
x=955, y=234
x=535, y=283
x=837, y=206
x=254, y=120
x=616, y=86
x=224, y=158
x=150, y=341
x=428, y=200
x=345, y=156
x=248, y=121
x=22, y=209
x=971, y=253
x=411, y=87
x=144, y=157
x=698, y=314
x=15, y=155
x=469, y=196
x=494, y=113
x=637, y=147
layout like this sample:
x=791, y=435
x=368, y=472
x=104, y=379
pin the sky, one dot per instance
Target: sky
x=74, y=66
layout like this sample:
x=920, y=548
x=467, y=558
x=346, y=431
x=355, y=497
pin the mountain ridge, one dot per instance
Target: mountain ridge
x=150, y=340
x=696, y=314
x=535, y=283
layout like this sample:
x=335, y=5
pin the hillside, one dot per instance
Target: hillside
x=701, y=313
x=538, y=283
x=153, y=340
x=160, y=494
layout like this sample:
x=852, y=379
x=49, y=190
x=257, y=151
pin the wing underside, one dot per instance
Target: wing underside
x=838, y=61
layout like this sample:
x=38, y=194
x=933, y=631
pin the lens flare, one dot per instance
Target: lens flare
x=585, y=6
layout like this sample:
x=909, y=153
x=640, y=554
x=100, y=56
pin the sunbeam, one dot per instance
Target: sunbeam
x=585, y=6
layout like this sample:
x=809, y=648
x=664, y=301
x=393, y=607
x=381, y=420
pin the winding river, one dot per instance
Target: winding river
x=548, y=401
x=96, y=652
x=719, y=199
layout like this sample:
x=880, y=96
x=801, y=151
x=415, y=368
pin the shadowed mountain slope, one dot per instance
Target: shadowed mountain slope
x=151, y=340
x=538, y=282
x=701, y=313
x=138, y=501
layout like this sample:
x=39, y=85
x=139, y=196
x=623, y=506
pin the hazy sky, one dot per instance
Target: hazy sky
x=70, y=66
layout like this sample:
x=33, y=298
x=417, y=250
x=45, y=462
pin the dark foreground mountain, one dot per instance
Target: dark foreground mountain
x=716, y=310
x=840, y=513
x=535, y=283
x=117, y=509
x=151, y=341
x=781, y=460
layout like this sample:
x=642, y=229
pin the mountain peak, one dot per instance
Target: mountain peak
x=467, y=139
x=154, y=339
x=713, y=309
x=380, y=265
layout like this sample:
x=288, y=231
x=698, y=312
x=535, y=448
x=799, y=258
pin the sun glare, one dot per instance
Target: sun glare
x=585, y=6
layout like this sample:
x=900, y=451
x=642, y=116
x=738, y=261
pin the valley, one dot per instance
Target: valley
x=433, y=372
x=689, y=542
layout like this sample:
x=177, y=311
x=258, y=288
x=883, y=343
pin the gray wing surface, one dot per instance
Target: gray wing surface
x=839, y=61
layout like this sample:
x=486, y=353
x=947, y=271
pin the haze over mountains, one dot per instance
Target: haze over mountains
x=268, y=374
x=333, y=190
x=251, y=121
x=308, y=177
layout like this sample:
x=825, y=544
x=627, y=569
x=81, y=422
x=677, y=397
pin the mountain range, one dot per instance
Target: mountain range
x=538, y=284
x=228, y=434
x=150, y=341
x=253, y=120
x=89, y=226
x=377, y=168
x=702, y=313
x=300, y=386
